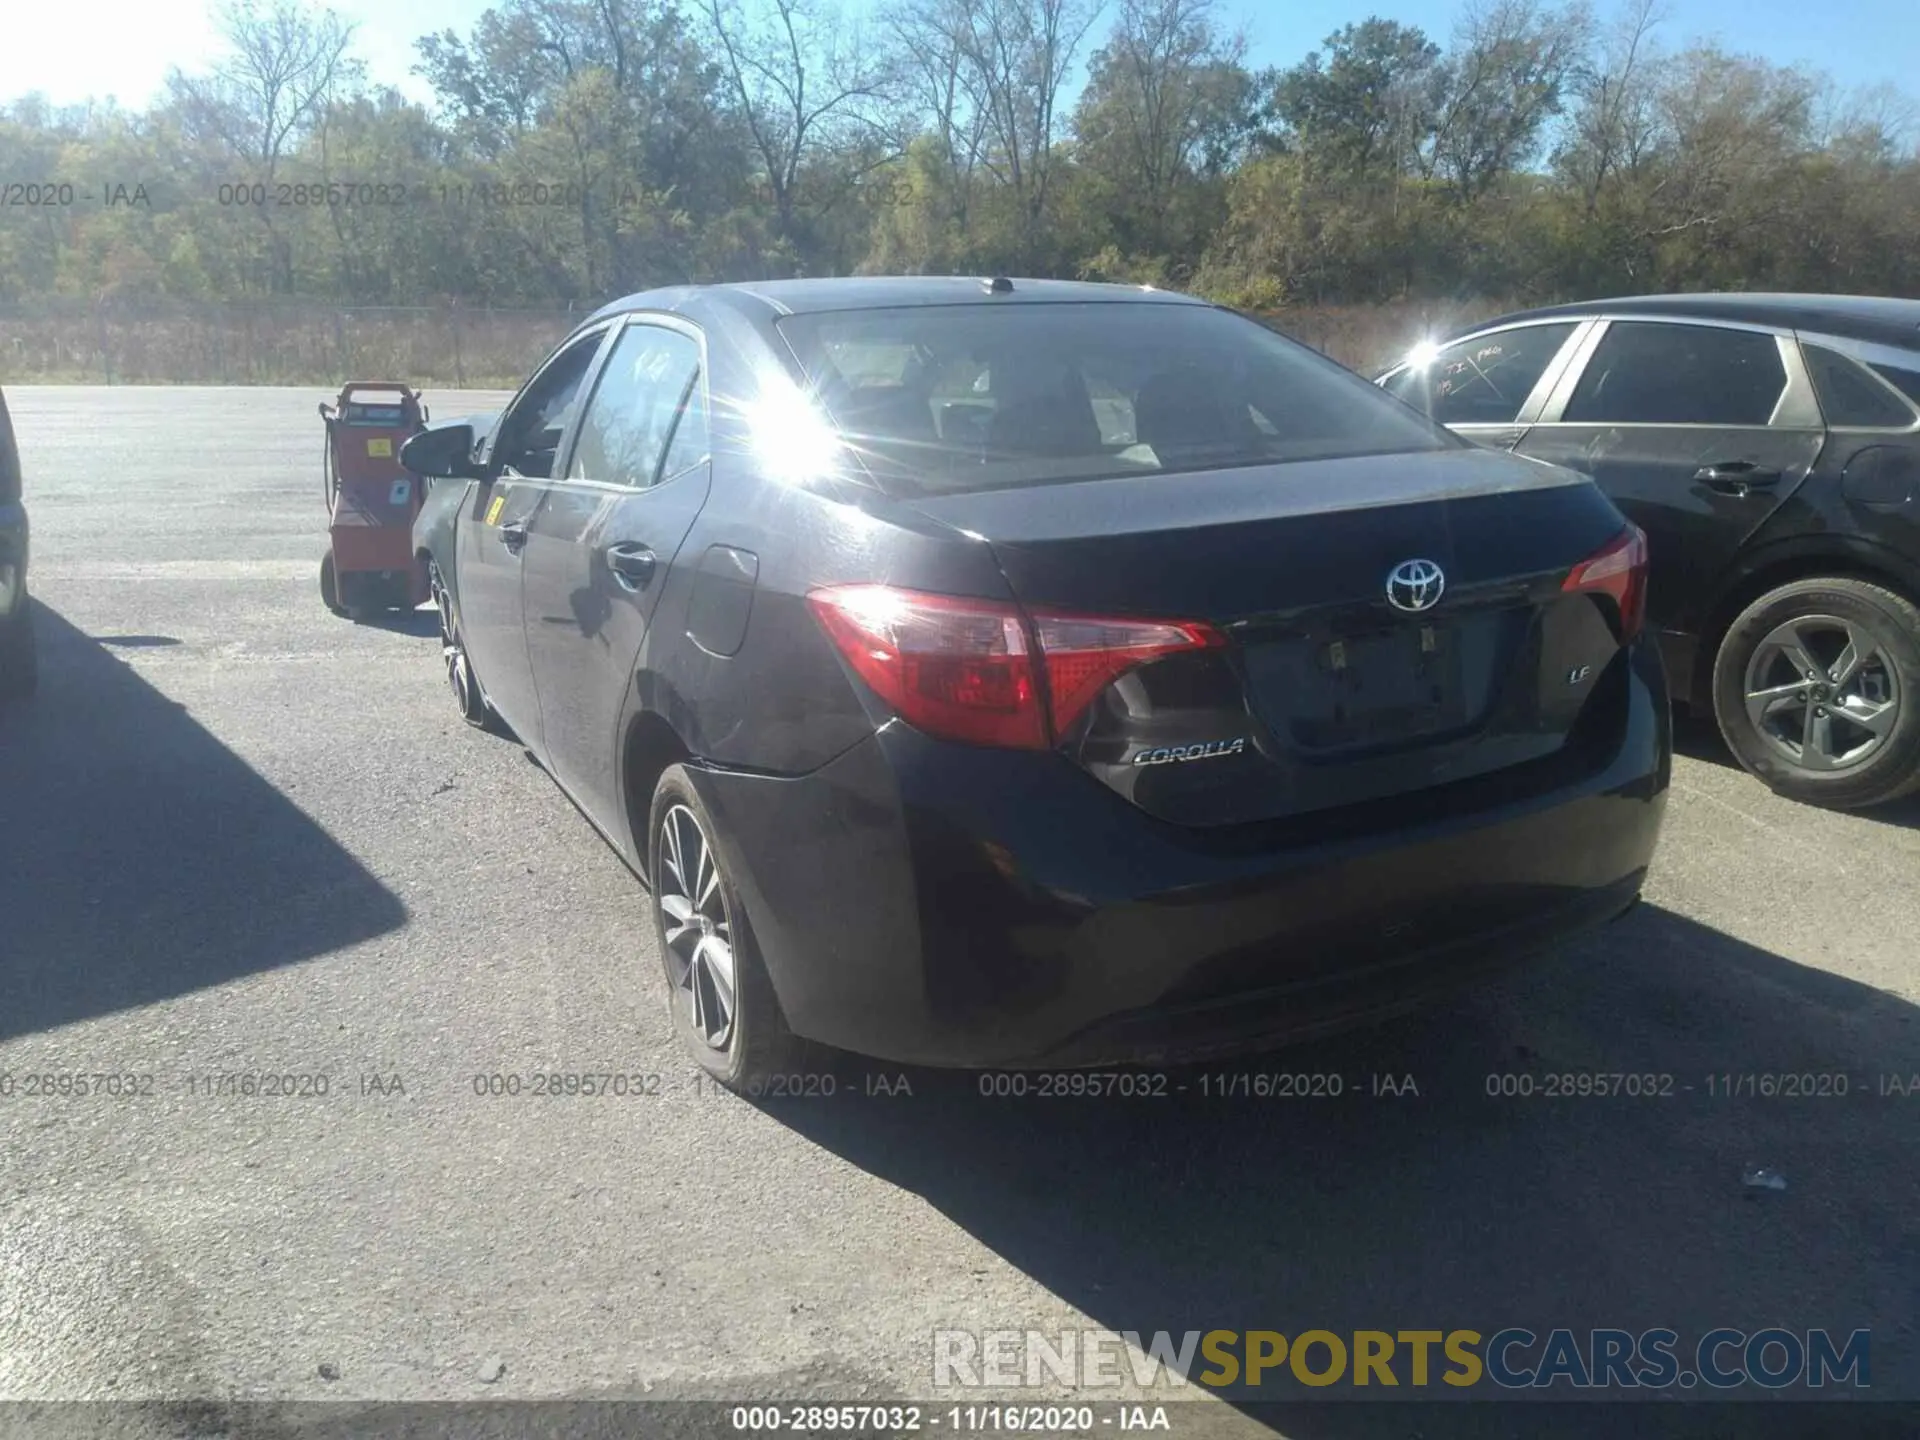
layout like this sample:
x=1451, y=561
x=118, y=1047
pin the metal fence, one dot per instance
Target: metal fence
x=272, y=343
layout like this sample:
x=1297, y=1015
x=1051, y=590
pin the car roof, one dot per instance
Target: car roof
x=769, y=299
x=1877, y=318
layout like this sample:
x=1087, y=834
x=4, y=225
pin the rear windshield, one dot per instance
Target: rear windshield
x=944, y=398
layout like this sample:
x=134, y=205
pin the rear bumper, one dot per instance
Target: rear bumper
x=929, y=903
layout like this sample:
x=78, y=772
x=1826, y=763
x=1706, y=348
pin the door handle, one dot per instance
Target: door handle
x=513, y=535
x=1737, y=477
x=632, y=564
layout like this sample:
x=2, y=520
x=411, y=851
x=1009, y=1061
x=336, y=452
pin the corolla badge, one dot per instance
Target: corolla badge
x=1204, y=750
x=1415, y=585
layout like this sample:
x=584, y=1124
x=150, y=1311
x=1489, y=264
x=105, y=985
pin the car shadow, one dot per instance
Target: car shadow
x=141, y=859
x=1904, y=812
x=137, y=642
x=1699, y=738
x=1451, y=1208
x=423, y=621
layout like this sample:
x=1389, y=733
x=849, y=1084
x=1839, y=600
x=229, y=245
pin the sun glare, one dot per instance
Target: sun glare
x=791, y=438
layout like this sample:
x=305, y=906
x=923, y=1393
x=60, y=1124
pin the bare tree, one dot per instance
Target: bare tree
x=285, y=64
x=932, y=62
x=804, y=84
x=1020, y=54
x=1732, y=127
x=1508, y=74
x=1879, y=121
x=1615, y=117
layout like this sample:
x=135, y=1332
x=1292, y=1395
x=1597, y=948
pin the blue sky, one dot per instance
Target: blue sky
x=79, y=49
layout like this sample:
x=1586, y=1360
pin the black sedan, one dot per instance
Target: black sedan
x=1769, y=446
x=19, y=669
x=1033, y=673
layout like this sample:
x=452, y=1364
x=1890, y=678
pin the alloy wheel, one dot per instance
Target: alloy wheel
x=1822, y=692
x=452, y=653
x=698, y=928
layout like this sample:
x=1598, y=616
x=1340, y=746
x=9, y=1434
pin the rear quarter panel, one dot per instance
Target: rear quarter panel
x=1832, y=522
x=782, y=702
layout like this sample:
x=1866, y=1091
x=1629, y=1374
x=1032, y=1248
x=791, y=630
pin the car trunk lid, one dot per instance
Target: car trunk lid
x=1328, y=692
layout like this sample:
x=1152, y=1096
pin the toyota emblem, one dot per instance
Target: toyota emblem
x=1415, y=585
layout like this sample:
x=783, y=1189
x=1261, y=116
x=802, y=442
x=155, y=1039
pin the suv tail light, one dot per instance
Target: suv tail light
x=1620, y=570
x=984, y=671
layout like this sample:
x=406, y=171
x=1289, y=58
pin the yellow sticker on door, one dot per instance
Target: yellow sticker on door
x=383, y=447
x=493, y=510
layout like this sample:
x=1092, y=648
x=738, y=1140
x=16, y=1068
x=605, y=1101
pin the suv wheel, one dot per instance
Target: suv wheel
x=1817, y=690
x=19, y=653
x=723, y=1006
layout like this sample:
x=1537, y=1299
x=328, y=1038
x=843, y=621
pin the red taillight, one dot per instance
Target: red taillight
x=958, y=668
x=1620, y=570
x=1085, y=654
x=965, y=669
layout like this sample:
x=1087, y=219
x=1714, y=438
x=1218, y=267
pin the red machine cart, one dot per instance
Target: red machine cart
x=371, y=501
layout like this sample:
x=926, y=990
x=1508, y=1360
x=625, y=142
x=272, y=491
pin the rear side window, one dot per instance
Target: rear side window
x=1645, y=374
x=1485, y=380
x=1850, y=394
x=943, y=398
x=689, y=446
x=1903, y=379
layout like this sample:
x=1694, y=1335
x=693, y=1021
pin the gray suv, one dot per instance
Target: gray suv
x=18, y=668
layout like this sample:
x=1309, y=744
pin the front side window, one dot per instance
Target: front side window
x=1652, y=374
x=1484, y=380
x=638, y=397
x=531, y=434
x=945, y=398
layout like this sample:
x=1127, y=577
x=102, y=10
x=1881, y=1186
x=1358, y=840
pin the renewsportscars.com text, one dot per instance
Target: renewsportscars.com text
x=1770, y=1358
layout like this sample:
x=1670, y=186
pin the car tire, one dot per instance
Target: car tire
x=330, y=585
x=461, y=679
x=19, y=653
x=1816, y=687
x=741, y=1040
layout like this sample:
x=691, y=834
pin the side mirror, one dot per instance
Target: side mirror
x=444, y=453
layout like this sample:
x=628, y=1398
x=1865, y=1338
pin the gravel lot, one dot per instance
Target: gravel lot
x=240, y=835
